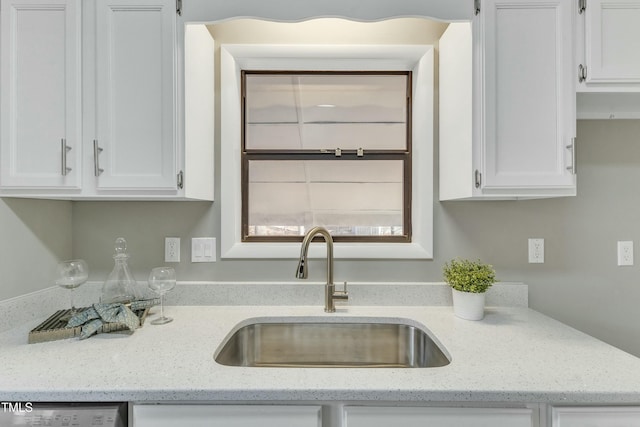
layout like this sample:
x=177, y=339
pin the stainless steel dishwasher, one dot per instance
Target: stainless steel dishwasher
x=63, y=414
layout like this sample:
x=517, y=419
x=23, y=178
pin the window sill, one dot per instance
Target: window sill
x=340, y=251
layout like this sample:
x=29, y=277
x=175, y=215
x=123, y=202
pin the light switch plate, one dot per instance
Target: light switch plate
x=203, y=249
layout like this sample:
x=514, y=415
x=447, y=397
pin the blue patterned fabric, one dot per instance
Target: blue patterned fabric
x=95, y=316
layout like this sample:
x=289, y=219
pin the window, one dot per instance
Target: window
x=418, y=59
x=328, y=148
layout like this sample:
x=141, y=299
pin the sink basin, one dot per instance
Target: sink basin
x=331, y=344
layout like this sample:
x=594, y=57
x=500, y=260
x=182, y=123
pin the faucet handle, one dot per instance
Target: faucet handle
x=343, y=294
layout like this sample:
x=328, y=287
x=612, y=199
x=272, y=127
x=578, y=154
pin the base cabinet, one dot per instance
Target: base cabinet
x=338, y=415
x=363, y=416
x=341, y=414
x=603, y=416
x=226, y=416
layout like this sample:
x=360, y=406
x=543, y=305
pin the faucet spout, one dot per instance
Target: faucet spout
x=302, y=271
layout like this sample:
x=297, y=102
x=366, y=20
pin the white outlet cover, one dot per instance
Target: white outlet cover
x=536, y=251
x=171, y=249
x=625, y=253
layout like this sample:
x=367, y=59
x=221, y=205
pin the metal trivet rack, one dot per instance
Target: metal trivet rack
x=55, y=327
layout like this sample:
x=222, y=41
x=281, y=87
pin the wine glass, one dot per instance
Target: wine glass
x=161, y=281
x=71, y=274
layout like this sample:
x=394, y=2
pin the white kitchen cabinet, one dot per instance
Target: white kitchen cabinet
x=135, y=142
x=41, y=95
x=605, y=416
x=94, y=98
x=507, y=102
x=364, y=416
x=150, y=116
x=226, y=416
x=608, y=70
x=611, y=43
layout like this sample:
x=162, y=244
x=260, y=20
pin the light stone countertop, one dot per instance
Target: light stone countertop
x=514, y=355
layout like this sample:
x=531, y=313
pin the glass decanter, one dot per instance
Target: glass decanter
x=120, y=286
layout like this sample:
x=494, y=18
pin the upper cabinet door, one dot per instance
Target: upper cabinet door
x=528, y=94
x=612, y=32
x=507, y=102
x=135, y=91
x=40, y=110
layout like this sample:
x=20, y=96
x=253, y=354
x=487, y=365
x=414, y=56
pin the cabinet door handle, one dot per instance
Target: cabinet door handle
x=478, y=177
x=96, y=158
x=64, y=148
x=572, y=147
x=180, y=180
x=582, y=73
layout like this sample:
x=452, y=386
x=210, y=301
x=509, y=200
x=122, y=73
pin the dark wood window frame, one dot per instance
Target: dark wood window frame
x=405, y=156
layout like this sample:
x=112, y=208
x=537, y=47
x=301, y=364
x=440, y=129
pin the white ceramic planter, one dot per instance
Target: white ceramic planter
x=468, y=305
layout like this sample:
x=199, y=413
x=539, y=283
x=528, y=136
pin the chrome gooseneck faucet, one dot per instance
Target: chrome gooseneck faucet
x=330, y=293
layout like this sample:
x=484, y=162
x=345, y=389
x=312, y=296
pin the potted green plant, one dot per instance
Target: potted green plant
x=469, y=280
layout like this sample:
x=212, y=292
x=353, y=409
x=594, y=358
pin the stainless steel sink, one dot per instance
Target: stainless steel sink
x=331, y=344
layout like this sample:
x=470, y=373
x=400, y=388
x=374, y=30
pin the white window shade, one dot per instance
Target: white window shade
x=308, y=112
x=348, y=197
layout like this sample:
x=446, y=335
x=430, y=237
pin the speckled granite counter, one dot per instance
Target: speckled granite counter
x=513, y=355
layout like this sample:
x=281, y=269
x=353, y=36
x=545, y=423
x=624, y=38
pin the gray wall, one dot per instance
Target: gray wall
x=579, y=283
x=34, y=236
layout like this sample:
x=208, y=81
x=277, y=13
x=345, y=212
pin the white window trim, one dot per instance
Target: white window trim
x=416, y=58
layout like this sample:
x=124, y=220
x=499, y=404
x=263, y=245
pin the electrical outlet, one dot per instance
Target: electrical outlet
x=625, y=253
x=171, y=249
x=536, y=251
